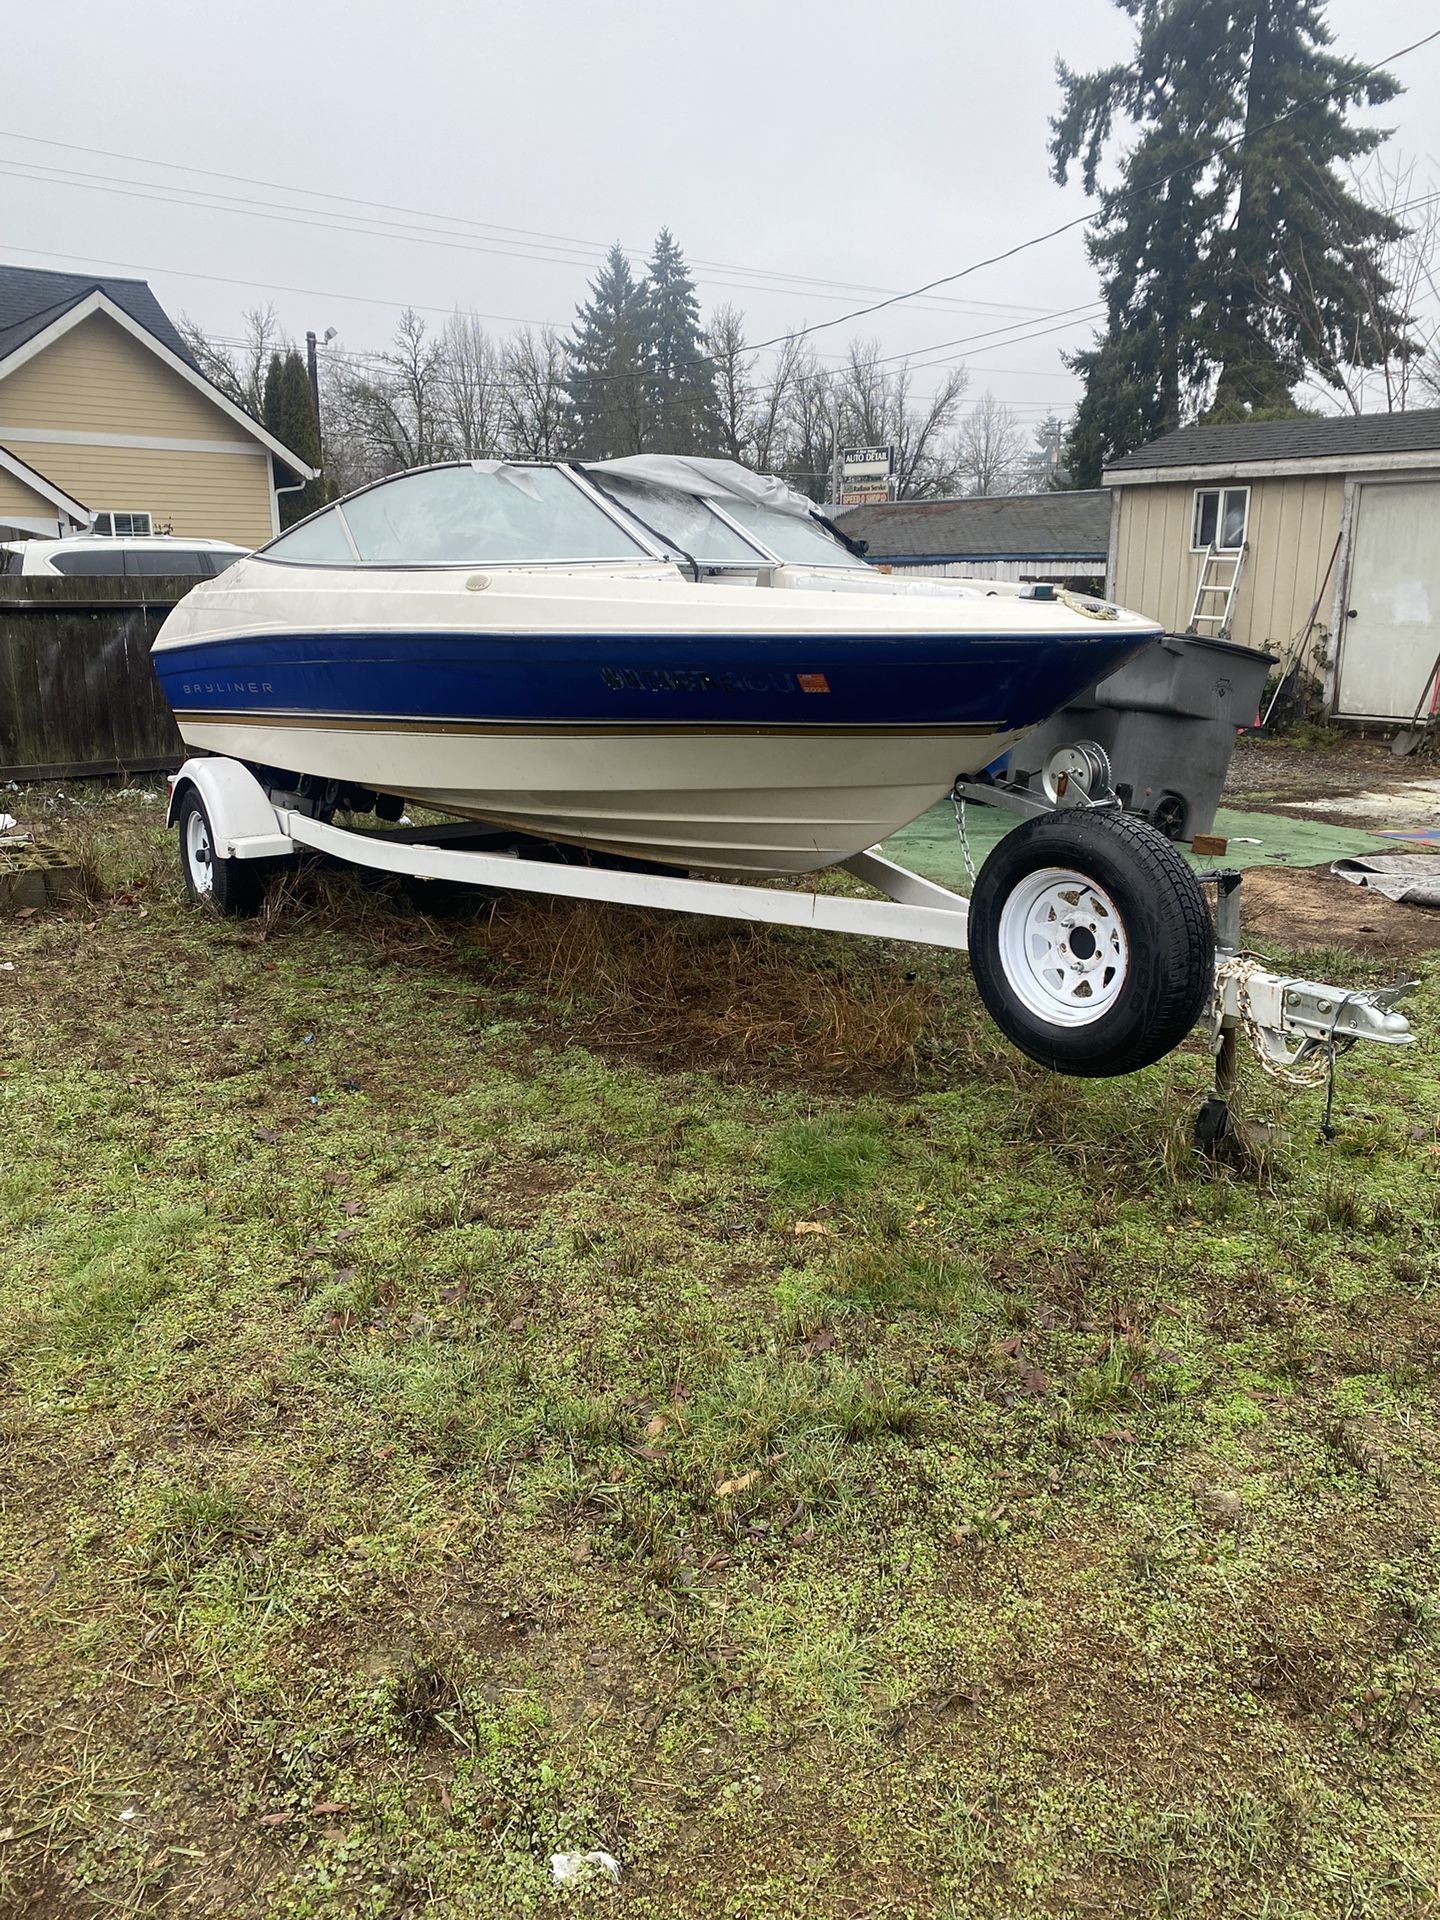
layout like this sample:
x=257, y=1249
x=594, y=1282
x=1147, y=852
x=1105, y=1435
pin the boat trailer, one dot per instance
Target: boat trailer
x=234, y=831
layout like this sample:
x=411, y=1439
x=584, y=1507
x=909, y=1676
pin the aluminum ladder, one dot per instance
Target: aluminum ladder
x=1212, y=581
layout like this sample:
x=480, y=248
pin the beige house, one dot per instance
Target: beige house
x=1334, y=526
x=106, y=422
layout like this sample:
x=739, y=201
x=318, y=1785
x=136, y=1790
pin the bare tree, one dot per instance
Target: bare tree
x=1399, y=279
x=990, y=448
x=877, y=407
x=239, y=372
x=471, y=387
x=767, y=423
x=772, y=403
x=736, y=394
x=391, y=406
x=535, y=406
x=807, y=427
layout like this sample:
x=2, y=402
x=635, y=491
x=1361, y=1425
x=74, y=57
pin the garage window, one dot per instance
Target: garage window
x=1221, y=517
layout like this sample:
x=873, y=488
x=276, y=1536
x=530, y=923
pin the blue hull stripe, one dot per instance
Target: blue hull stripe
x=984, y=681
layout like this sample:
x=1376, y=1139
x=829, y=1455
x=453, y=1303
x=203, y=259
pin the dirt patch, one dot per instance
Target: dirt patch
x=1284, y=769
x=1309, y=907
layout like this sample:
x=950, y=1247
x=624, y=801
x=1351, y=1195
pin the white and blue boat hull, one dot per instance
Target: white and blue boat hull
x=746, y=752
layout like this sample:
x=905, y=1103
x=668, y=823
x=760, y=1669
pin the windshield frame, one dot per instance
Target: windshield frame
x=640, y=536
x=847, y=564
x=759, y=557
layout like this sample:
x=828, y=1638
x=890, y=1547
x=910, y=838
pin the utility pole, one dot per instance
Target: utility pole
x=312, y=366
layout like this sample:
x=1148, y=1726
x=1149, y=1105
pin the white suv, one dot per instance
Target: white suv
x=144, y=556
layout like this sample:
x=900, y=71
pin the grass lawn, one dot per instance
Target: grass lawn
x=548, y=1378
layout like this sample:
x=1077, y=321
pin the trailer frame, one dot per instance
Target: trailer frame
x=1289, y=1019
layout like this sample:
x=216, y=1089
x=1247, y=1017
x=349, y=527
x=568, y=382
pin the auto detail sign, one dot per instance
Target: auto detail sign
x=864, y=474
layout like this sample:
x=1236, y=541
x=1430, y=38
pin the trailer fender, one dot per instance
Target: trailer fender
x=244, y=823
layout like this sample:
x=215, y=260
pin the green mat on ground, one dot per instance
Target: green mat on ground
x=931, y=845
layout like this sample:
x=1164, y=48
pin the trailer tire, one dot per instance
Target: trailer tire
x=227, y=886
x=1090, y=942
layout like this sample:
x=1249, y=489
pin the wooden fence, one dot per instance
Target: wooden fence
x=77, y=694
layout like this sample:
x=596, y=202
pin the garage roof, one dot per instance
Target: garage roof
x=1018, y=526
x=1338, y=439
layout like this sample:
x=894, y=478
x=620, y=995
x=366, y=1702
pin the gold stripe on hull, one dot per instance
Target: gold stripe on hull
x=385, y=723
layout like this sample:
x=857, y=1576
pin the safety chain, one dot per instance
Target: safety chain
x=1313, y=1071
x=965, y=853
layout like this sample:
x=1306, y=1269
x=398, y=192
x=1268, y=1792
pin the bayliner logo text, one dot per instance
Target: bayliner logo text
x=226, y=686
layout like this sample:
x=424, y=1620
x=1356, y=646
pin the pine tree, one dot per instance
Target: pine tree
x=270, y=411
x=683, y=412
x=609, y=360
x=1238, y=271
x=1291, y=270
x=298, y=430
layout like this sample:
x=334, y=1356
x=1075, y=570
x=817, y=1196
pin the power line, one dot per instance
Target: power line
x=1039, y=334
x=508, y=319
x=321, y=293
x=1069, y=226
x=163, y=194
x=1087, y=309
x=857, y=313
x=272, y=286
x=594, y=249
x=778, y=340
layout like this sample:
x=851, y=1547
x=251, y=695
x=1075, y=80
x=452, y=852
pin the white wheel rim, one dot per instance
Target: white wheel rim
x=199, y=854
x=1063, y=948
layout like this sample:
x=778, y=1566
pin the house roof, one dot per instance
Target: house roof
x=31, y=298
x=31, y=333
x=36, y=481
x=1339, y=438
x=1051, y=526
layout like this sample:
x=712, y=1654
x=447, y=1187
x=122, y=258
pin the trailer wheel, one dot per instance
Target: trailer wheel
x=1090, y=942
x=225, y=886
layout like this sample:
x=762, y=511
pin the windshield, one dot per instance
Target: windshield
x=685, y=520
x=461, y=516
x=802, y=541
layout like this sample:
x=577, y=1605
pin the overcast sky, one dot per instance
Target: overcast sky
x=801, y=152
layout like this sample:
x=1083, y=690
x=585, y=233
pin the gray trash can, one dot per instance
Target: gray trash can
x=1168, y=720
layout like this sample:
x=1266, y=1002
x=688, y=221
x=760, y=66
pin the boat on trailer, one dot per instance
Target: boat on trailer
x=636, y=674
x=675, y=661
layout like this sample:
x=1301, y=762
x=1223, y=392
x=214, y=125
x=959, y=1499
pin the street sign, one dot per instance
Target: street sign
x=862, y=475
x=866, y=463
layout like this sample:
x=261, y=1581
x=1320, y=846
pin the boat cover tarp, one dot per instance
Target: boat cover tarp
x=711, y=479
x=1413, y=878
